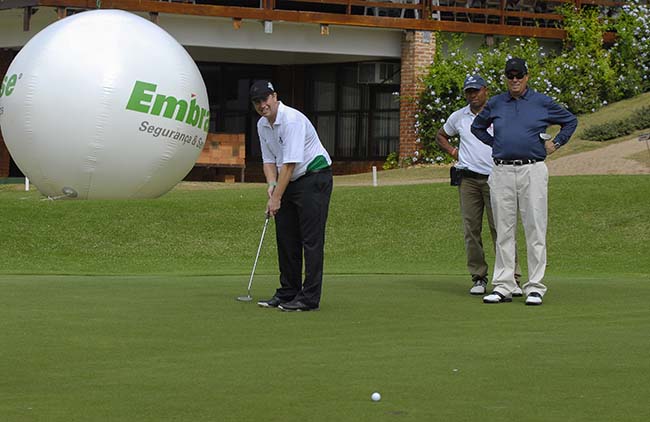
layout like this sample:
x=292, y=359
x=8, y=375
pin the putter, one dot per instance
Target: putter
x=248, y=296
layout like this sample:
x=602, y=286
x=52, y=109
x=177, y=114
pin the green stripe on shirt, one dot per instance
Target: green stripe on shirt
x=317, y=163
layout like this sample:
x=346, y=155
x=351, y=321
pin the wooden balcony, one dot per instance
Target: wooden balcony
x=527, y=18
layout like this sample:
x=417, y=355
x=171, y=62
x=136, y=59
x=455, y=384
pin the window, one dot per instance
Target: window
x=354, y=121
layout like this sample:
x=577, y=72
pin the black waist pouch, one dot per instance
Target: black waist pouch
x=454, y=176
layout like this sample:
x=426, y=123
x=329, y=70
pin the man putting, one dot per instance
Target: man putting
x=299, y=178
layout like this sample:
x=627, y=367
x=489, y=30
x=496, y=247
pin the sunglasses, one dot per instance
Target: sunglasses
x=515, y=75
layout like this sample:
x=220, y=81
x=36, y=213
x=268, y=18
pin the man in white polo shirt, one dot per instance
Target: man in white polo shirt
x=297, y=170
x=473, y=167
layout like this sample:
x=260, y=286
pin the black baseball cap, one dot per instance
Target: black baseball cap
x=516, y=64
x=260, y=90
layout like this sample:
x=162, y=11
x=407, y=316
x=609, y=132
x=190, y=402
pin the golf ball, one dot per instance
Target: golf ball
x=375, y=396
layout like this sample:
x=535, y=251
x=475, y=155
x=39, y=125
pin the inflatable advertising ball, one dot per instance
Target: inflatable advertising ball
x=104, y=105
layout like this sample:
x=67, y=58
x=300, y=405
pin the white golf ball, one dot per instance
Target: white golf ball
x=375, y=396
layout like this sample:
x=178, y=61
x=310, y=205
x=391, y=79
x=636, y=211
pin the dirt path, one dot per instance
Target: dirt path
x=612, y=159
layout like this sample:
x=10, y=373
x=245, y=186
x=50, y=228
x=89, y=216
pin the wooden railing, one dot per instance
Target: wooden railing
x=500, y=12
x=533, y=13
x=529, y=18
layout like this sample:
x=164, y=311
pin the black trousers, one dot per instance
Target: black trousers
x=300, y=232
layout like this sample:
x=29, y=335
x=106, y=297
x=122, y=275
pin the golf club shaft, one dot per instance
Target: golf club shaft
x=257, y=256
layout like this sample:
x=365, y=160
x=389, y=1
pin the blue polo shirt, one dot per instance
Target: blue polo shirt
x=518, y=122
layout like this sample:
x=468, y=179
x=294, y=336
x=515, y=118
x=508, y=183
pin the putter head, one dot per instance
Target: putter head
x=246, y=298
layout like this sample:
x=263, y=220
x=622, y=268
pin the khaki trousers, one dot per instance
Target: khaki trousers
x=524, y=189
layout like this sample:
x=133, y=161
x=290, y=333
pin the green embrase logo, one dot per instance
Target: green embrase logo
x=145, y=100
x=8, y=84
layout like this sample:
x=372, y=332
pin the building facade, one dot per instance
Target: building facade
x=351, y=66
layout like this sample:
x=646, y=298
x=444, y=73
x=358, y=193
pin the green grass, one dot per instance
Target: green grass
x=181, y=348
x=414, y=174
x=412, y=229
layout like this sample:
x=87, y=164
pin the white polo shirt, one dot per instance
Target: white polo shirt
x=473, y=154
x=292, y=139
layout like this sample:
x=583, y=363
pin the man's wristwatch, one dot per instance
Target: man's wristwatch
x=557, y=145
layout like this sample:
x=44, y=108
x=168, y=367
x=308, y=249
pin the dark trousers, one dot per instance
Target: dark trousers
x=300, y=231
x=474, y=199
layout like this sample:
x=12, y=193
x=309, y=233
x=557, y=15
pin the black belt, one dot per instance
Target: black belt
x=472, y=174
x=312, y=172
x=521, y=162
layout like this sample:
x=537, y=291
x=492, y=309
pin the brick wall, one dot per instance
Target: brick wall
x=418, y=48
x=223, y=158
x=6, y=56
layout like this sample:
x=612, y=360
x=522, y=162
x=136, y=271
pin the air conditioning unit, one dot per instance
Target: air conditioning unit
x=379, y=73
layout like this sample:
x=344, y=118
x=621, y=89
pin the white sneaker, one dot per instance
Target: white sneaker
x=517, y=292
x=496, y=297
x=478, y=288
x=534, y=299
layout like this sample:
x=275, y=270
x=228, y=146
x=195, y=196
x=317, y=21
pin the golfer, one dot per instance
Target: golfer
x=474, y=166
x=519, y=180
x=299, y=177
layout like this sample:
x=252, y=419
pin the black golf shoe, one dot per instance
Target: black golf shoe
x=297, y=306
x=274, y=302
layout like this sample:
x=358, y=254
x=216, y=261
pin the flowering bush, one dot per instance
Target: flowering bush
x=440, y=97
x=582, y=73
x=443, y=93
x=584, y=76
x=631, y=52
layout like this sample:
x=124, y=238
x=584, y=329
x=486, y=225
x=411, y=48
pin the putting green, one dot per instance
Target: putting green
x=146, y=348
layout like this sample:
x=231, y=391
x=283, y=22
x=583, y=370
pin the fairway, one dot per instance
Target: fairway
x=141, y=348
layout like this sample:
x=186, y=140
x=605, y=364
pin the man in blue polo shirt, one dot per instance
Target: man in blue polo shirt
x=519, y=180
x=299, y=178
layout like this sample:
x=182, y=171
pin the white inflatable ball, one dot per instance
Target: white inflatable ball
x=104, y=104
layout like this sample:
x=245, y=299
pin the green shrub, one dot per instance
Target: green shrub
x=630, y=54
x=608, y=131
x=440, y=97
x=392, y=161
x=582, y=73
x=639, y=120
